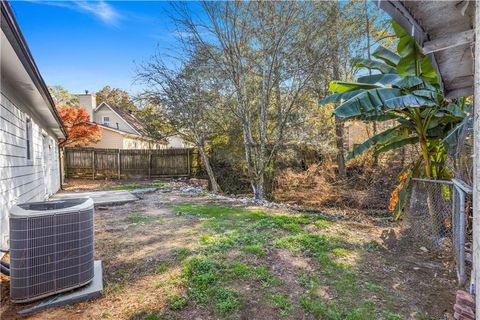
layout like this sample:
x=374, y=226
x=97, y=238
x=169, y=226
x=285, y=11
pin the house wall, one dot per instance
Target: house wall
x=176, y=142
x=132, y=143
x=110, y=140
x=23, y=180
x=115, y=140
x=114, y=119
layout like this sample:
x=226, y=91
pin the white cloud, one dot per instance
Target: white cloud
x=99, y=9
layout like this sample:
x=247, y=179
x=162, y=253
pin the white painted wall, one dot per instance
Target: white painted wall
x=109, y=140
x=132, y=143
x=176, y=142
x=23, y=180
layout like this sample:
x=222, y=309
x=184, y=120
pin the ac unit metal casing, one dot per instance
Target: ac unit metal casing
x=51, y=247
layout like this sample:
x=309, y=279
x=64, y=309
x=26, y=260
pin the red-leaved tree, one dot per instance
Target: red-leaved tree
x=80, y=130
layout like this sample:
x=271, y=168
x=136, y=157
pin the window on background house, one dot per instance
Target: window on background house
x=117, y=126
x=28, y=138
x=106, y=121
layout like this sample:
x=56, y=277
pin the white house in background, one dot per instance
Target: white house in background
x=121, y=129
x=29, y=126
x=177, y=142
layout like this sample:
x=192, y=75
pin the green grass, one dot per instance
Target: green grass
x=226, y=300
x=256, y=249
x=373, y=286
x=232, y=249
x=138, y=218
x=135, y=185
x=281, y=302
x=162, y=268
x=180, y=254
x=153, y=316
x=130, y=186
x=177, y=302
x=158, y=184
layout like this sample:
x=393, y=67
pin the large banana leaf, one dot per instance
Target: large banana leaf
x=409, y=53
x=407, y=101
x=428, y=71
x=395, y=144
x=388, y=56
x=431, y=95
x=412, y=60
x=382, y=78
x=409, y=124
x=456, y=135
x=342, y=87
x=366, y=102
x=337, y=97
x=379, y=117
x=408, y=82
x=372, y=64
x=382, y=137
x=455, y=110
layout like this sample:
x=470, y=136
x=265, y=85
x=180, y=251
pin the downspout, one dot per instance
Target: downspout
x=60, y=165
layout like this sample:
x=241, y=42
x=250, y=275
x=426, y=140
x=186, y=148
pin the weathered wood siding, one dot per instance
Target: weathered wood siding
x=23, y=180
x=116, y=163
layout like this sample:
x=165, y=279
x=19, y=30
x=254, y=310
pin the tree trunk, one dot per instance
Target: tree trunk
x=369, y=56
x=258, y=187
x=206, y=163
x=435, y=202
x=342, y=172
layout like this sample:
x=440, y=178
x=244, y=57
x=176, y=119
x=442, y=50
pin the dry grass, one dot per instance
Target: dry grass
x=365, y=187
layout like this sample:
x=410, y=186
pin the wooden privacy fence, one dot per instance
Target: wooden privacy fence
x=117, y=163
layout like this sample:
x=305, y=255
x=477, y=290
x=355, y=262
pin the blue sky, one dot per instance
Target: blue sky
x=85, y=45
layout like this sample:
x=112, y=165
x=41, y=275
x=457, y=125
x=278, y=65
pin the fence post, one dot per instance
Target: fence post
x=119, y=165
x=93, y=164
x=149, y=164
x=188, y=162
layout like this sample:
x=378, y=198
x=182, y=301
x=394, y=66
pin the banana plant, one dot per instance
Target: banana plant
x=402, y=86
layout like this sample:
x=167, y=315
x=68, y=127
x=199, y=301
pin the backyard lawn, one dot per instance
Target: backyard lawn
x=181, y=255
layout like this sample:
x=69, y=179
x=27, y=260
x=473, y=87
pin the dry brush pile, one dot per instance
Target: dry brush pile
x=367, y=186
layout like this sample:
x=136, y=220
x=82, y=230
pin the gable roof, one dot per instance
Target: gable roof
x=34, y=88
x=129, y=119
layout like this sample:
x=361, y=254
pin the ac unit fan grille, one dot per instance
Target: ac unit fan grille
x=50, y=254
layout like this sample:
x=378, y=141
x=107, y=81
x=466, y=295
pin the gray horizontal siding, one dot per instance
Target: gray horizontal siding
x=23, y=180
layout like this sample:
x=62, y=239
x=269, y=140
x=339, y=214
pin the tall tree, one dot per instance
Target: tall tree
x=153, y=119
x=340, y=35
x=188, y=97
x=259, y=48
x=116, y=97
x=62, y=97
x=80, y=131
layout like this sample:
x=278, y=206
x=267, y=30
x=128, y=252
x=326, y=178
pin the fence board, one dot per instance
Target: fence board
x=114, y=163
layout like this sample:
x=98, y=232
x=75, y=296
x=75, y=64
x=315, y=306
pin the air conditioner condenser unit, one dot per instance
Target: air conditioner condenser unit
x=51, y=247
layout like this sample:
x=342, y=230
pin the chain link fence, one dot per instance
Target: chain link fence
x=438, y=217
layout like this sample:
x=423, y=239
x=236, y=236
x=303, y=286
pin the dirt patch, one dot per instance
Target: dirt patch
x=143, y=244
